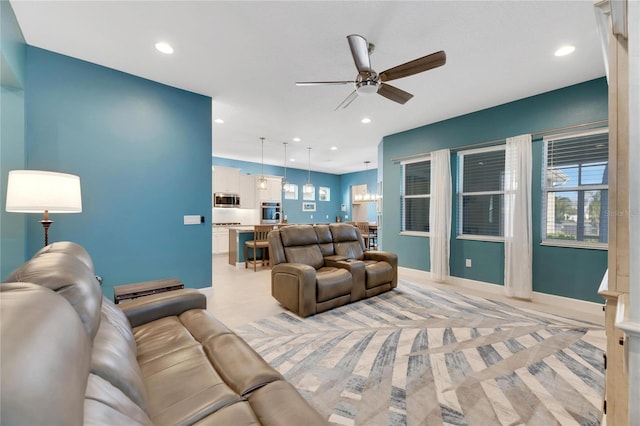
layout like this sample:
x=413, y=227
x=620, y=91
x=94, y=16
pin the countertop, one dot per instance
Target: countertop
x=241, y=228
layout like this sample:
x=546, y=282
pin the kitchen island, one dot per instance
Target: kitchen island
x=238, y=235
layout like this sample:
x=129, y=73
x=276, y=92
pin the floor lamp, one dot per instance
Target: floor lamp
x=37, y=191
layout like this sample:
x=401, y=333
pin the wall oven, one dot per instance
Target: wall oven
x=226, y=200
x=270, y=212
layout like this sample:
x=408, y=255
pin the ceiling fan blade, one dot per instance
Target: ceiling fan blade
x=416, y=66
x=360, y=52
x=322, y=83
x=347, y=101
x=393, y=93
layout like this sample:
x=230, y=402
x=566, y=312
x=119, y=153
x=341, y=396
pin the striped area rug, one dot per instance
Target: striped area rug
x=418, y=356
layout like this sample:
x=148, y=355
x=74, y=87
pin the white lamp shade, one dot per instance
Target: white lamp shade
x=34, y=191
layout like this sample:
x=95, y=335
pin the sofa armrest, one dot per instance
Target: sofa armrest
x=294, y=286
x=150, y=308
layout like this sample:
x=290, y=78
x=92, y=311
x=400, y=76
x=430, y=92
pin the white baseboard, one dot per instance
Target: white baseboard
x=207, y=291
x=591, y=308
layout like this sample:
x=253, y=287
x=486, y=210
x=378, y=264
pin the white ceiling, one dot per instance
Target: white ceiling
x=248, y=55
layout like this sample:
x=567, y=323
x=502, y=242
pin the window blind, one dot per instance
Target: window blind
x=416, y=178
x=481, y=192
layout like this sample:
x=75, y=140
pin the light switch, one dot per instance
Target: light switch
x=193, y=219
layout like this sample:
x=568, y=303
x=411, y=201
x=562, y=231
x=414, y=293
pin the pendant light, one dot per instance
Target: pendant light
x=286, y=186
x=262, y=181
x=308, y=187
x=367, y=195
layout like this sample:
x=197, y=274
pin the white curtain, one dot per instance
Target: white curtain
x=517, y=218
x=440, y=214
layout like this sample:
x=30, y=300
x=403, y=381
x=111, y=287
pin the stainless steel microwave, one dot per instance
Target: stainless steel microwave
x=226, y=200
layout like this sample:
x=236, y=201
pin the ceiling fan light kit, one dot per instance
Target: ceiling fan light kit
x=368, y=81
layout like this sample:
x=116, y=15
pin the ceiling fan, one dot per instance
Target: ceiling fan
x=368, y=81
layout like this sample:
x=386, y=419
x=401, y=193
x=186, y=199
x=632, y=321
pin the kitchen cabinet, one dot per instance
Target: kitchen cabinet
x=226, y=179
x=273, y=191
x=247, y=192
x=220, y=240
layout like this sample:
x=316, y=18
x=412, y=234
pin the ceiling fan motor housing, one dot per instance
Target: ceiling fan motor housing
x=367, y=87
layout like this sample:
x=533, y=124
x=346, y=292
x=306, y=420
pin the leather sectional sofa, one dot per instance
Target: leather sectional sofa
x=70, y=356
x=317, y=268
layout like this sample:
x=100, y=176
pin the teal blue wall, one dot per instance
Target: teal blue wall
x=326, y=211
x=142, y=151
x=13, y=229
x=569, y=272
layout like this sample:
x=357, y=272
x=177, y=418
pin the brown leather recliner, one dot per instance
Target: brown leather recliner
x=70, y=356
x=381, y=268
x=317, y=268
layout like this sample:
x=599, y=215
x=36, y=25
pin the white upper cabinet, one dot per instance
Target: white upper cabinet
x=247, y=192
x=273, y=191
x=226, y=179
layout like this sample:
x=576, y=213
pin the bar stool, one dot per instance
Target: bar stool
x=364, y=230
x=260, y=233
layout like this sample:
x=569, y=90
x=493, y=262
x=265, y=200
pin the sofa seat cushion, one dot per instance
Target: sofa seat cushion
x=377, y=273
x=183, y=387
x=238, y=414
x=332, y=282
x=161, y=337
x=279, y=403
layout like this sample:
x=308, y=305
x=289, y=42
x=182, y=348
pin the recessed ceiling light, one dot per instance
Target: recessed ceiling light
x=219, y=121
x=365, y=120
x=565, y=50
x=334, y=148
x=292, y=160
x=164, y=48
x=297, y=139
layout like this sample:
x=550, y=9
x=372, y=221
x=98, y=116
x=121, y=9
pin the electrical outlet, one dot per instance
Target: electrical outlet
x=468, y=263
x=311, y=216
x=327, y=216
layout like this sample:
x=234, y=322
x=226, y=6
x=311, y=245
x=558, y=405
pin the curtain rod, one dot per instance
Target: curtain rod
x=497, y=141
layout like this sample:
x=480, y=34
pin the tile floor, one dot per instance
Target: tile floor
x=239, y=296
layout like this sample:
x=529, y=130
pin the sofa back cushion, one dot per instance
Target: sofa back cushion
x=114, y=360
x=325, y=239
x=45, y=355
x=300, y=244
x=347, y=240
x=67, y=247
x=68, y=276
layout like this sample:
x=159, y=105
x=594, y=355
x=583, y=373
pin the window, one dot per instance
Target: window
x=416, y=190
x=575, y=188
x=291, y=191
x=481, y=192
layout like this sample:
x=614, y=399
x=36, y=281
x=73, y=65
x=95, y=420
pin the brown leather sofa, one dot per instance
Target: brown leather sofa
x=70, y=356
x=317, y=268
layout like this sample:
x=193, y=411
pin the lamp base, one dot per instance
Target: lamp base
x=46, y=223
